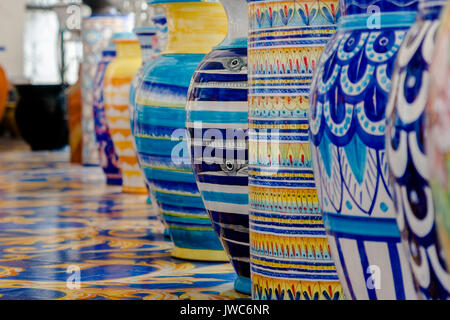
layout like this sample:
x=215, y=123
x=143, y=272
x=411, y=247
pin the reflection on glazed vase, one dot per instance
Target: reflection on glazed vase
x=97, y=31
x=290, y=257
x=109, y=159
x=194, y=28
x=437, y=128
x=408, y=162
x=347, y=124
x=118, y=78
x=217, y=120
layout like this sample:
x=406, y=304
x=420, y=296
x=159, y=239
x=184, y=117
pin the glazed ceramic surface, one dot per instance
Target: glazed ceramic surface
x=118, y=77
x=148, y=41
x=74, y=119
x=408, y=162
x=109, y=160
x=97, y=31
x=217, y=114
x=437, y=130
x=194, y=28
x=347, y=124
x=4, y=89
x=290, y=257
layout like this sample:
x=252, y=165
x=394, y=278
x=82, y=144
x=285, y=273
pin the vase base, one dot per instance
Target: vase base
x=243, y=285
x=134, y=190
x=200, y=255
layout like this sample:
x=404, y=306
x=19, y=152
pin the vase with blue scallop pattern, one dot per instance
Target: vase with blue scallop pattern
x=289, y=253
x=217, y=101
x=408, y=161
x=109, y=160
x=347, y=126
x=159, y=126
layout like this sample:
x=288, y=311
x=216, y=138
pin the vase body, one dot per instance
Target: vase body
x=194, y=28
x=217, y=105
x=118, y=77
x=38, y=105
x=437, y=128
x=290, y=257
x=97, y=31
x=74, y=110
x=108, y=157
x=347, y=123
x=407, y=159
x=4, y=90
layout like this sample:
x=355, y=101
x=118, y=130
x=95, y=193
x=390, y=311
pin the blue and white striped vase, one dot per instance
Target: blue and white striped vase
x=347, y=125
x=218, y=109
x=407, y=158
x=109, y=160
x=159, y=126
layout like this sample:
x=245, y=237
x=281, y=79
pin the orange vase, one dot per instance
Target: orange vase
x=3, y=92
x=74, y=113
x=117, y=82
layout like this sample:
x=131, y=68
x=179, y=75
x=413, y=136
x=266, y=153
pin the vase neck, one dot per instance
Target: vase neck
x=146, y=41
x=194, y=27
x=366, y=7
x=128, y=49
x=237, y=14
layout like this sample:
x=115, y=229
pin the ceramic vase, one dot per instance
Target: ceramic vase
x=347, y=123
x=74, y=110
x=217, y=110
x=148, y=40
x=408, y=162
x=97, y=31
x=290, y=256
x=437, y=142
x=109, y=159
x=116, y=89
x=194, y=28
x=4, y=89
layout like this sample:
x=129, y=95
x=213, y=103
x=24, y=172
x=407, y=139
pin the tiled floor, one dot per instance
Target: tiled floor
x=55, y=216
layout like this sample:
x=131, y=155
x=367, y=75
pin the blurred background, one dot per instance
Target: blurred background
x=40, y=46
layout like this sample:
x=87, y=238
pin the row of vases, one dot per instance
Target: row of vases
x=309, y=167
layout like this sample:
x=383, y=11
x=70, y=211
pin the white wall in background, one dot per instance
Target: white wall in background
x=12, y=24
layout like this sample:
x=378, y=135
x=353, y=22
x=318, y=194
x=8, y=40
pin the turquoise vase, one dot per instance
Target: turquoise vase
x=159, y=126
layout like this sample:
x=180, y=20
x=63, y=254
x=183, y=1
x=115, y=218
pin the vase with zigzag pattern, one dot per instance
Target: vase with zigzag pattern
x=289, y=253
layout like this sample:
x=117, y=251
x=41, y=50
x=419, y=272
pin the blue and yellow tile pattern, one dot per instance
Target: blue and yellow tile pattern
x=54, y=216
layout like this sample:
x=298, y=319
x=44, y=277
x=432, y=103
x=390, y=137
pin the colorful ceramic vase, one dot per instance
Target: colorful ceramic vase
x=109, y=159
x=290, y=257
x=97, y=31
x=4, y=89
x=217, y=116
x=147, y=40
x=347, y=123
x=118, y=77
x=437, y=141
x=194, y=28
x=408, y=162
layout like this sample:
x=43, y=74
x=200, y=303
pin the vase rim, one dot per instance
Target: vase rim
x=145, y=29
x=124, y=37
